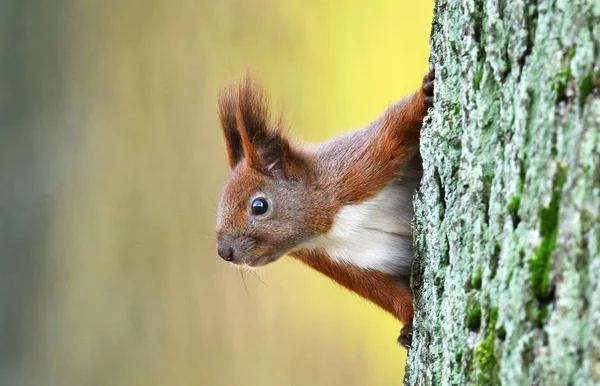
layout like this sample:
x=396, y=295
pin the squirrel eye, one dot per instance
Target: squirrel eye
x=259, y=206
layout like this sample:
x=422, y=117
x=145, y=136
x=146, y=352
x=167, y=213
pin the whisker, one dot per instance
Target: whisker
x=244, y=280
x=213, y=202
x=258, y=277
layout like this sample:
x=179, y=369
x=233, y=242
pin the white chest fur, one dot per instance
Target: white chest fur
x=375, y=234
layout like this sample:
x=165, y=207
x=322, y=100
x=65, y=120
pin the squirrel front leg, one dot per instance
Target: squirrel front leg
x=404, y=119
x=388, y=145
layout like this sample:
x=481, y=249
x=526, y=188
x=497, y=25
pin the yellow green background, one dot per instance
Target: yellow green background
x=111, y=165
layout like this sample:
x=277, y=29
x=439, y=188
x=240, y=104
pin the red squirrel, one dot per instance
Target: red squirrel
x=343, y=207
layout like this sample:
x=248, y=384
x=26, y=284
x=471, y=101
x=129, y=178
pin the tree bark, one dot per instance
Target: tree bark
x=507, y=226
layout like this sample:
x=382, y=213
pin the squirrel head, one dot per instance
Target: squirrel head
x=265, y=208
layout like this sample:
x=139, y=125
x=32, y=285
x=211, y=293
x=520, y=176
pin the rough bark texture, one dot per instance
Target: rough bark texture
x=507, y=274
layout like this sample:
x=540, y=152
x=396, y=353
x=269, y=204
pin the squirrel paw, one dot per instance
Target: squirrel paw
x=405, y=338
x=428, y=88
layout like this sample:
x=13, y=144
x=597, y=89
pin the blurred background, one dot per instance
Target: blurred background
x=111, y=164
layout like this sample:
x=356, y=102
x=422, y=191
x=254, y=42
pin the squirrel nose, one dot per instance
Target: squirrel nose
x=226, y=253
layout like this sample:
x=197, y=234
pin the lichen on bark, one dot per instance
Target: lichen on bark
x=507, y=219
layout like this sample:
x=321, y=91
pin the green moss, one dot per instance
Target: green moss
x=513, y=205
x=457, y=110
x=473, y=320
x=563, y=77
x=501, y=333
x=493, y=262
x=521, y=256
x=537, y=312
x=485, y=355
x=586, y=87
x=561, y=81
x=477, y=80
x=544, y=314
x=476, y=280
x=513, y=210
x=540, y=264
x=493, y=317
x=510, y=277
x=487, y=361
x=459, y=354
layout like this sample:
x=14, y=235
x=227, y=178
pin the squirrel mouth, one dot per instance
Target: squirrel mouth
x=262, y=260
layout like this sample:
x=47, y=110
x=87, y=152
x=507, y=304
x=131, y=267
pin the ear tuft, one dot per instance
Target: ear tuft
x=253, y=119
x=250, y=134
x=265, y=146
x=227, y=115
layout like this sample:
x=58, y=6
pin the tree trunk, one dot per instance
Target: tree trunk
x=507, y=274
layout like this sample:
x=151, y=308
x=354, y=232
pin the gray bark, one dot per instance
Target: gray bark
x=507, y=274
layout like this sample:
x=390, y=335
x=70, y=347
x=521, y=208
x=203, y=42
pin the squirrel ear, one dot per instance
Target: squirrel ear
x=227, y=116
x=275, y=156
x=265, y=147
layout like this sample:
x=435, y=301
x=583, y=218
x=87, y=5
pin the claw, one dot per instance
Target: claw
x=406, y=335
x=428, y=101
x=429, y=88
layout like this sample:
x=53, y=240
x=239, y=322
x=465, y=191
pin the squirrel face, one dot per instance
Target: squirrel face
x=264, y=210
x=260, y=217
